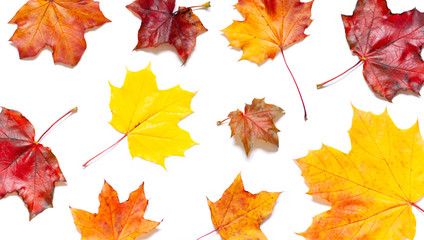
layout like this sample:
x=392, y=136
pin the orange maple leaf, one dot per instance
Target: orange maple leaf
x=58, y=24
x=372, y=188
x=269, y=26
x=238, y=214
x=117, y=221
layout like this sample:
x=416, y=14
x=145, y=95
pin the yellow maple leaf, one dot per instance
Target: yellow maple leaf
x=372, y=188
x=149, y=117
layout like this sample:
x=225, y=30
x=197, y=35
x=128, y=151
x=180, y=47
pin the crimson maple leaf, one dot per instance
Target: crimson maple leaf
x=388, y=45
x=161, y=25
x=26, y=166
x=257, y=122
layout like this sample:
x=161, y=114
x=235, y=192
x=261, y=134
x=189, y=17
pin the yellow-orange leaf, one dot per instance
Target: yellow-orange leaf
x=372, y=188
x=58, y=24
x=115, y=220
x=269, y=26
x=238, y=214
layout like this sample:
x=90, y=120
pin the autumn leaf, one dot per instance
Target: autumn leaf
x=238, y=214
x=26, y=166
x=389, y=46
x=269, y=27
x=161, y=25
x=115, y=220
x=372, y=188
x=57, y=24
x=257, y=122
x=149, y=117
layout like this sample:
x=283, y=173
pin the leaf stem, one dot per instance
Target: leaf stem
x=321, y=85
x=294, y=80
x=113, y=145
x=204, y=5
x=209, y=233
x=418, y=207
x=219, y=123
x=73, y=110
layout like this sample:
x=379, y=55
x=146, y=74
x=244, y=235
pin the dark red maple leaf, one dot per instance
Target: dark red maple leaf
x=161, y=25
x=257, y=122
x=26, y=166
x=389, y=45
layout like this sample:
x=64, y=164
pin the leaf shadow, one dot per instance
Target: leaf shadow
x=164, y=47
x=321, y=201
x=256, y=144
x=46, y=48
x=147, y=235
x=60, y=184
x=408, y=92
x=339, y=78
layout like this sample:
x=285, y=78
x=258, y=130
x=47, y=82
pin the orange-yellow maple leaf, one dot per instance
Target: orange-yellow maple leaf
x=238, y=214
x=58, y=24
x=117, y=221
x=269, y=26
x=372, y=188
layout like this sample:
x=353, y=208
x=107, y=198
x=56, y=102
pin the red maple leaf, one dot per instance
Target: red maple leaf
x=257, y=122
x=26, y=166
x=388, y=45
x=161, y=25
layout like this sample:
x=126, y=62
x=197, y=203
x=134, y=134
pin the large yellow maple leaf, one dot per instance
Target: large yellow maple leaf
x=372, y=188
x=149, y=117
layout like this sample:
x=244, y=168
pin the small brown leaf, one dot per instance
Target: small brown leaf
x=257, y=122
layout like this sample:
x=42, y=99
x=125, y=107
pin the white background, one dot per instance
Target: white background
x=42, y=92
